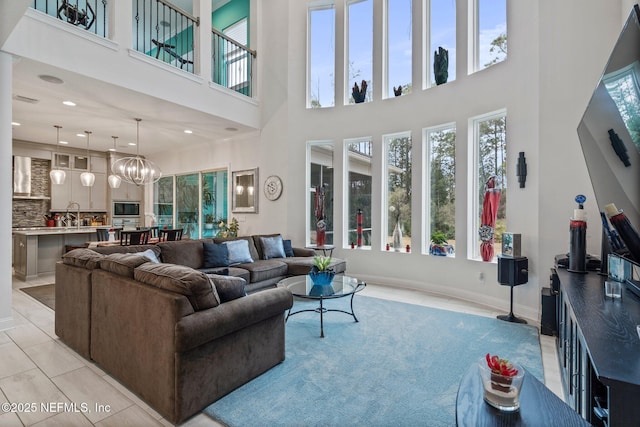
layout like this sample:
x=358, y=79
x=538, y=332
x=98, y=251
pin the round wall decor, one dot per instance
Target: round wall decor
x=272, y=187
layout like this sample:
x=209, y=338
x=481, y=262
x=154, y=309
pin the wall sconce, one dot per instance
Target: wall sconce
x=250, y=190
x=522, y=169
x=239, y=190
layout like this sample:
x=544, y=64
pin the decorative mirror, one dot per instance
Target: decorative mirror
x=245, y=191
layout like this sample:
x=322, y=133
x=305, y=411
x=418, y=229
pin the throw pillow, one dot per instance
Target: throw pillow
x=272, y=247
x=151, y=255
x=228, y=287
x=288, y=248
x=238, y=251
x=215, y=255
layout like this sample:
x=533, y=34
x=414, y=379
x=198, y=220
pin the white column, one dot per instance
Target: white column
x=6, y=318
x=202, y=9
x=121, y=22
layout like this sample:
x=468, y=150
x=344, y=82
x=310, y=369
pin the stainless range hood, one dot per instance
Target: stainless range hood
x=22, y=179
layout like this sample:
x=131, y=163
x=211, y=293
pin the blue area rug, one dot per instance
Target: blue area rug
x=400, y=365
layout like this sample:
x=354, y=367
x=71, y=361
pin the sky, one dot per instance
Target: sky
x=492, y=18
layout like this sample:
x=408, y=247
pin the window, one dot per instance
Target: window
x=235, y=58
x=442, y=34
x=214, y=201
x=320, y=176
x=490, y=33
x=163, y=201
x=624, y=89
x=360, y=48
x=187, y=209
x=441, y=212
x=397, y=192
x=398, y=47
x=490, y=166
x=358, y=154
x=321, y=48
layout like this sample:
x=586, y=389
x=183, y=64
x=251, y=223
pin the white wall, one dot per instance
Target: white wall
x=557, y=51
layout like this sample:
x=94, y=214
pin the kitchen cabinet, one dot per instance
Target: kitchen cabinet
x=98, y=165
x=91, y=199
x=127, y=193
x=598, y=350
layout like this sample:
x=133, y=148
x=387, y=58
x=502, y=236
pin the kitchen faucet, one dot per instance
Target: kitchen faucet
x=69, y=206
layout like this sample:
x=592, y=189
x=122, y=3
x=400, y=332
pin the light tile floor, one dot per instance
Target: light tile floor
x=54, y=386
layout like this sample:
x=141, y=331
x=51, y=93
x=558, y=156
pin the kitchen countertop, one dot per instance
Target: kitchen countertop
x=41, y=231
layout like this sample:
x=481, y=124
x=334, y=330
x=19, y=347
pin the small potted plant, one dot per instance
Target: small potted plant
x=502, y=381
x=439, y=244
x=321, y=273
x=208, y=222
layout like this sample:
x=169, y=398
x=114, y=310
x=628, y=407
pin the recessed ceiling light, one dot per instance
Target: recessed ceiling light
x=15, y=124
x=133, y=144
x=64, y=142
x=231, y=129
x=81, y=135
x=188, y=131
x=111, y=149
x=165, y=23
x=69, y=103
x=51, y=79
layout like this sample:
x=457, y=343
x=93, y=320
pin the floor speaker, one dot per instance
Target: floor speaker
x=548, y=324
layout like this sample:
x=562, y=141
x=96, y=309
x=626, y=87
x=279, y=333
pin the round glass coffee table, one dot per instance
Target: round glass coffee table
x=342, y=286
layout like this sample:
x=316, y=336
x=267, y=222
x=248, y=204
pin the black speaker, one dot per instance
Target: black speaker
x=513, y=271
x=548, y=323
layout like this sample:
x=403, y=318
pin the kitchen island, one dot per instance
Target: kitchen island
x=37, y=249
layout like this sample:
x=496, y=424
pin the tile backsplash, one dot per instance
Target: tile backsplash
x=29, y=213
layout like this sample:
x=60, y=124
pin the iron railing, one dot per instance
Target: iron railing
x=90, y=15
x=165, y=32
x=232, y=63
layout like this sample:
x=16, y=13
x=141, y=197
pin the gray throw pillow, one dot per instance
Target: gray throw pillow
x=238, y=251
x=272, y=247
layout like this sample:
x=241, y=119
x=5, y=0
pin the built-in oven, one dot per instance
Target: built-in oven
x=126, y=209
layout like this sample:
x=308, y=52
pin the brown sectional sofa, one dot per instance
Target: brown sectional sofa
x=175, y=333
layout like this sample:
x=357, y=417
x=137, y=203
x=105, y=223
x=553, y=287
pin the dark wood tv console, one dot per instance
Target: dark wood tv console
x=599, y=350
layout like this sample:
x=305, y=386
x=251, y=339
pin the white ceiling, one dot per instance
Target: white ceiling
x=106, y=111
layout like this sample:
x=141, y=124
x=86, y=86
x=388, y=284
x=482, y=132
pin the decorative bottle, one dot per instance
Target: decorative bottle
x=397, y=238
x=578, y=238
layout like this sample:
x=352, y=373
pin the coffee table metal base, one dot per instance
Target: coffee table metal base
x=321, y=309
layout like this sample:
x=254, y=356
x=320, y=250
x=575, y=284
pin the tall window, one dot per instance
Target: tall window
x=441, y=158
x=360, y=36
x=214, y=201
x=490, y=24
x=321, y=39
x=187, y=204
x=320, y=169
x=397, y=173
x=163, y=201
x=398, y=54
x=490, y=198
x=442, y=35
x=358, y=160
x=624, y=88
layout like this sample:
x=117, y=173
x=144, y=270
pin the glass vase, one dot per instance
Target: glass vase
x=501, y=392
x=397, y=238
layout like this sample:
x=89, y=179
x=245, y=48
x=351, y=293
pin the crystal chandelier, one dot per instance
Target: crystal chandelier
x=114, y=180
x=136, y=170
x=87, y=178
x=57, y=175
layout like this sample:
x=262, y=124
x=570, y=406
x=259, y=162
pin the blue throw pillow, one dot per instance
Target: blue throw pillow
x=272, y=247
x=288, y=249
x=215, y=255
x=238, y=251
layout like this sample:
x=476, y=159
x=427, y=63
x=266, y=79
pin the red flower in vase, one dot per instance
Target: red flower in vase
x=501, y=366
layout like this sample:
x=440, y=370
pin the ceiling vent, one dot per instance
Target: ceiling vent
x=26, y=99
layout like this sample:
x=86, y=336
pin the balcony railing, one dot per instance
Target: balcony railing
x=232, y=63
x=90, y=15
x=165, y=32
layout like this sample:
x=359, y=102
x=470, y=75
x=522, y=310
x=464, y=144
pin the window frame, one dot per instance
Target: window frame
x=346, y=185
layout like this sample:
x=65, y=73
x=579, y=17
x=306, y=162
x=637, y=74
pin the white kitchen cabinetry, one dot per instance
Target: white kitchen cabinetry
x=91, y=199
x=127, y=193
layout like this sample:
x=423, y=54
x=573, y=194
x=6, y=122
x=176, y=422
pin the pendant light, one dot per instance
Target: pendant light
x=114, y=180
x=57, y=175
x=87, y=178
x=137, y=170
